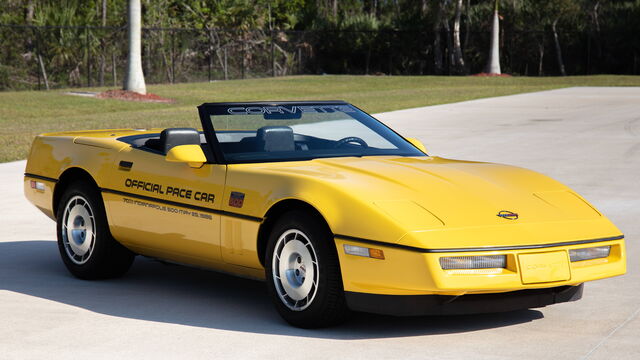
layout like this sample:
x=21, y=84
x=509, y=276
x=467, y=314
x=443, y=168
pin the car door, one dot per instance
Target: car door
x=166, y=209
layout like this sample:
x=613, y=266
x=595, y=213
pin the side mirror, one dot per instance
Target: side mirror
x=417, y=143
x=191, y=154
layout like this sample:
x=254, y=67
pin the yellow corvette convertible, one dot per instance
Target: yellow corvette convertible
x=336, y=212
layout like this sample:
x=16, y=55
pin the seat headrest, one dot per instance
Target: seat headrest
x=275, y=138
x=178, y=136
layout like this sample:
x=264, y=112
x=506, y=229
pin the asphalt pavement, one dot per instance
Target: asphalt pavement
x=588, y=138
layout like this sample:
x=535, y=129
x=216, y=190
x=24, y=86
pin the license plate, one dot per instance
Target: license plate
x=544, y=267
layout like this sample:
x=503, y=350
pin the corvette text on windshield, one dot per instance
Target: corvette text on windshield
x=259, y=110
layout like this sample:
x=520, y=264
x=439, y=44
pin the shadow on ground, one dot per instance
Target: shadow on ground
x=155, y=291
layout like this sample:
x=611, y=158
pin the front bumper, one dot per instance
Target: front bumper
x=416, y=305
x=409, y=272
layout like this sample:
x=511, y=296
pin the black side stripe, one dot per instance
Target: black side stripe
x=488, y=248
x=183, y=205
x=40, y=177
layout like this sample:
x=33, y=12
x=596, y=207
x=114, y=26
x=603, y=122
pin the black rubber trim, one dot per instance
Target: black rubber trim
x=210, y=135
x=488, y=248
x=34, y=176
x=382, y=243
x=416, y=305
x=187, y=206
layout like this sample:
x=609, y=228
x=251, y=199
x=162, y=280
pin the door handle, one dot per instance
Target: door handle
x=125, y=165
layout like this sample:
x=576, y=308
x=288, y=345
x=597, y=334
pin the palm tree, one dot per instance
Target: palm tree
x=458, y=59
x=493, y=65
x=134, y=78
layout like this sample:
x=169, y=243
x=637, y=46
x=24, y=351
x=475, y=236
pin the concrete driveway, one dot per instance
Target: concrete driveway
x=588, y=138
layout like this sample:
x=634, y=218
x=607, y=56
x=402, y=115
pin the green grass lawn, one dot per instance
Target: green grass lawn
x=25, y=114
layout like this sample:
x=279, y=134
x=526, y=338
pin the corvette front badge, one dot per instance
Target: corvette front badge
x=509, y=215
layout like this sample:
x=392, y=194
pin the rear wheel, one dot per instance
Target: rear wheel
x=87, y=248
x=303, y=272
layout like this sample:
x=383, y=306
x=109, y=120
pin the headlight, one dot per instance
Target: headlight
x=473, y=262
x=589, y=253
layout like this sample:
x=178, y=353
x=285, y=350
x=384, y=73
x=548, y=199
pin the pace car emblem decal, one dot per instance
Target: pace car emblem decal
x=236, y=199
x=509, y=215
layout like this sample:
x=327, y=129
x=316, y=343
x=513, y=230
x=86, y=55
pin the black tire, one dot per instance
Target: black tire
x=327, y=305
x=88, y=250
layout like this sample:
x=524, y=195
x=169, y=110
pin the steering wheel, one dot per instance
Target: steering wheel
x=351, y=139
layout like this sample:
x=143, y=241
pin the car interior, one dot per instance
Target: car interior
x=264, y=140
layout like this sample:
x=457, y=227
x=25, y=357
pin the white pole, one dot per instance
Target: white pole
x=493, y=65
x=134, y=78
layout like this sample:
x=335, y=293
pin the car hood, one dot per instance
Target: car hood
x=427, y=192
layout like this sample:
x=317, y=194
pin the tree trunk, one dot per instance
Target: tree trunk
x=226, y=73
x=104, y=12
x=31, y=5
x=167, y=68
x=467, y=24
x=597, y=37
x=114, y=72
x=134, y=78
x=493, y=65
x=449, y=57
x=368, y=60
x=44, y=72
x=103, y=65
x=558, y=50
x=221, y=61
x=147, y=68
x=103, y=60
x=596, y=19
x=437, y=51
x=541, y=58
x=458, y=60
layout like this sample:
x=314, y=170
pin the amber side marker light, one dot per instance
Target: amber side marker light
x=364, y=252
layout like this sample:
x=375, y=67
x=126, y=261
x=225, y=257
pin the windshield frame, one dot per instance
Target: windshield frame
x=206, y=112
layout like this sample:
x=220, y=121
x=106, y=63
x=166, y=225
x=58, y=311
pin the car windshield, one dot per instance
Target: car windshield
x=267, y=132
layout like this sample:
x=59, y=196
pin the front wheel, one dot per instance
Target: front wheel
x=303, y=272
x=85, y=243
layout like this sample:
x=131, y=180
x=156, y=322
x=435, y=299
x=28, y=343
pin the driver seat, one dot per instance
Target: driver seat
x=275, y=138
x=172, y=137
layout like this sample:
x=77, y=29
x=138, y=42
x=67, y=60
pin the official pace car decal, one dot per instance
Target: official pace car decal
x=168, y=208
x=176, y=207
x=178, y=192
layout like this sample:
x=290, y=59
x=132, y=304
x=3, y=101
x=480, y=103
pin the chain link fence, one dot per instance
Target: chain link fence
x=58, y=57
